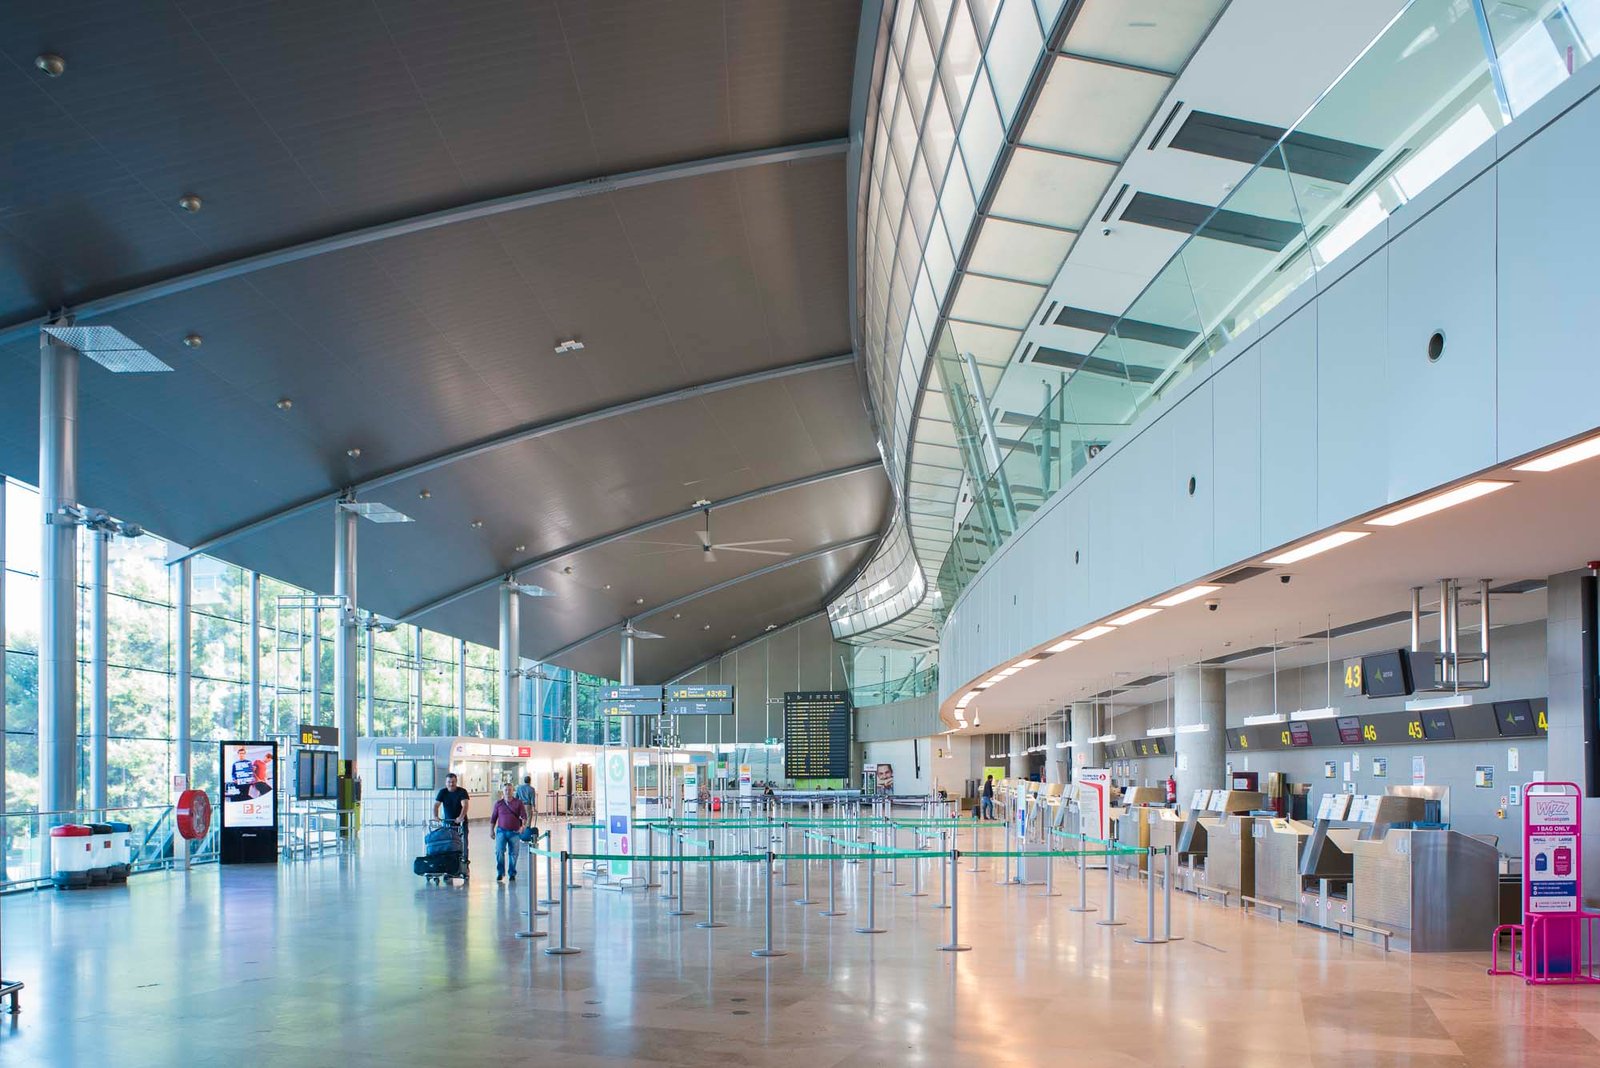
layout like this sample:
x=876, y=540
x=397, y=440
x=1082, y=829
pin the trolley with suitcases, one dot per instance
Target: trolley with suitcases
x=444, y=855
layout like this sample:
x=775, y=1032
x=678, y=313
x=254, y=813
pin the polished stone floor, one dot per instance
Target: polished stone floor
x=357, y=962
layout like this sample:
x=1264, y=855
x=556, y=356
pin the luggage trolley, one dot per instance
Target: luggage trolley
x=444, y=854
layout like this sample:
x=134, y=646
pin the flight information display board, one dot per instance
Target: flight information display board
x=816, y=734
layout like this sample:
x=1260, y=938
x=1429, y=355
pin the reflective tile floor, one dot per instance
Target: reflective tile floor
x=358, y=962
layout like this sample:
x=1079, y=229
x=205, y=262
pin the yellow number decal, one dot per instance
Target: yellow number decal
x=1369, y=732
x=1544, y=724
x=1414, y=729
x=1244, y=741
x=1285, y=737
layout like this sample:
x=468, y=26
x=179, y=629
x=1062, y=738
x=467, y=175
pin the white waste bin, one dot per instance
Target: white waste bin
x=71, y=855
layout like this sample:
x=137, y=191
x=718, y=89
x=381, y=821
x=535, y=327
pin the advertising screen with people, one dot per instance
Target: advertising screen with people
x=249, y=775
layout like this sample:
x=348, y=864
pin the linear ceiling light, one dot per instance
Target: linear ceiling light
x=1439, y=502
x=1193, y=728
x=1186, y=596
x=1102, y=739
x=1304, y=714
x=1063, y=645
x=1063, y=745
x=992, y=679
x=1025, y=662
x=1268, y=717
x=966, y=698
x=1094, y=632
x=1158, y=732
x=1552, y=461
x=1321, y=545
x=1132, y=617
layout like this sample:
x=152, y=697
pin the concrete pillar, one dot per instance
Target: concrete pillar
x=1085, y=725
x=510, y=652
x=1199, y=697
x=58, y=577
x=253, y=636
x=1570, y=659
x=99, y=700
x=1056, y=761
x=345, y=635
x=461, y=686
x=1019, y=757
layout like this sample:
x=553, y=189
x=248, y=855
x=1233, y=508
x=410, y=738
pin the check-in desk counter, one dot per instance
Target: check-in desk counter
x=1327, y=863
x=1207, y=809
x=1279, y=845
x=1230, y=856
x=1141, y=805
x=1428, y=891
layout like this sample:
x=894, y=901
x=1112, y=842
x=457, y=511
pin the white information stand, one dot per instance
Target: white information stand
x=615, y=837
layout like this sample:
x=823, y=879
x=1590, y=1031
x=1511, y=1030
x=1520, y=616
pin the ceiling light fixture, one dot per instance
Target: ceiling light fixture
x=572, y=344
x=354, y=453
x=772, y=626
x=193, y=341
x=706, y=627
x=189, y=203
x=1094, y=632
x=424, y=494
x=1102, y=739
x=1158, y=732
x=519, y=548
x=477, y=524
x=1193, y=728
x=1132, y=617
x=992, y=679
x=1265, y=718
x=1063, y=745
x=567, y=570
x=1186, y=596
x=1063, y=646
x=1439, y=502
x=1026, y=662
x=52, y=65
x=1321, y=545
x=638, y=600
x=284, y=404
x=677, y=615
x=1552, y=461
x=607, y=586
x=1305, y=715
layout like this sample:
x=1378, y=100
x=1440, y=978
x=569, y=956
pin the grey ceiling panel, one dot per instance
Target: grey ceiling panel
x=1309, y=155
x=1235, y=227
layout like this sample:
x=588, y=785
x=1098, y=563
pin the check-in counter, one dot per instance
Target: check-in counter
x=1206, y=811
x=1230, y=855
x=1430, y=891
x=1327, y=863
x=1279, y=844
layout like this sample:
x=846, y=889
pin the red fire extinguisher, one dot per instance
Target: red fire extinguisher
x=1172, y=790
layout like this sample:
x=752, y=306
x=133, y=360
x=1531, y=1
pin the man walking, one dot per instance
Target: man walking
x=509, y=819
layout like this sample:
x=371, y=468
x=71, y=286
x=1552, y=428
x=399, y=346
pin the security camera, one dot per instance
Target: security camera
x=1105, y=232
x=1285, y=579
x=1212, y=606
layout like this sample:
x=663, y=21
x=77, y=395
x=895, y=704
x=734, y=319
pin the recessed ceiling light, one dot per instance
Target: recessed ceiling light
x=189, y=203
x=772, y=626
x=567, y=570
x=733, y=637
x=1063, y=645
x=519, y=548
x=424, y=494
x=52, y=64
x=607, y=586
x=1439, y=502
x=477, y=524
x=1094, y=632
x=1321, y=545
x=677, y=615
x=638, y=600
x=354, y=453
x=193, y=341
x=1185, y=596
x=284, y=404
x=572, y=344
x=1551, y=461
x=706, y=627
x=1132, y=617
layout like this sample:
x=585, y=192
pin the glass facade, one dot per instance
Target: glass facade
x=141, y=672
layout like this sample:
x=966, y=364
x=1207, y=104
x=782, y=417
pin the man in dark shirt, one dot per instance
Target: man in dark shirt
x=451, y=803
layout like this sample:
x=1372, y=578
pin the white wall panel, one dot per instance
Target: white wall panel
x=1352, y=387
x=1441, y=277
x=1192, y=450
x=1549, y=275
x=1289, y=429
x=1236, y=458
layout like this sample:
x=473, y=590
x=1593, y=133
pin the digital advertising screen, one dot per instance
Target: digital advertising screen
x=249, y=777
x=1515, y=719
x=1387, y=674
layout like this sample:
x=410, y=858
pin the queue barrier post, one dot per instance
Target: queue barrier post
x=916, y=866
x=1111, y=897
x=872, y=896
x=946, y=876
x=534, y=911
x=676, y=850
x=833, y=880
x=1150, y=938
x=562, y=948
x=549, y=871
x=650, y=882
x=1083, y=882
x=954, y=945
x=975, y=822
x=711, y=887
x=805, y=880
x=1049, y=869
x=767, y=950
x=1166, y=883
x=786, y=880
x=566, y=875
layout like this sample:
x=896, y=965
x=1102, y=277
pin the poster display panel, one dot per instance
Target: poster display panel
x=249, y=776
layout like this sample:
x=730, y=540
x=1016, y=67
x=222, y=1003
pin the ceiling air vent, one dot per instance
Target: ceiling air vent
x=1239, y=574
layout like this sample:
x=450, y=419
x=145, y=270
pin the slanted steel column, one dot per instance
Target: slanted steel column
x=416, y=681
x=253, y=636
x=182, y=660
x=316, y=664
x=3, y=844
x=536, y=720
x=58, y=576
x=368, y=707
x=345, y=633
x=99, y=701
x=572, y=705
x=510, y=646
x=461, y=686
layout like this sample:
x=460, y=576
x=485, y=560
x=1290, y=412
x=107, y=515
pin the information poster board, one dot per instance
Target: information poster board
x=616, y=837
x=249, y=828
x=816, y=734
x=1552, y=834
x=1093, y=790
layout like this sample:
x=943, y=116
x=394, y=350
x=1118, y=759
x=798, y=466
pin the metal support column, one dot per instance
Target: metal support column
x=253, y=636
x=368, y=705
x=536, y=731
x=572, y=707
x=345, y=630
x=99, y=703
x=4, y=846
x=510, y=644
x=183, y=657
x=461, y=686
x=58, y=576
x=416, y=680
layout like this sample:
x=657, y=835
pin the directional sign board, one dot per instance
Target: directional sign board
x=630, y=700
x=715, y=699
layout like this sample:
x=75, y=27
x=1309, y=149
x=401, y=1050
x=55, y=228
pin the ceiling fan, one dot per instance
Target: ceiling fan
x=709, y=548
x=631, y=631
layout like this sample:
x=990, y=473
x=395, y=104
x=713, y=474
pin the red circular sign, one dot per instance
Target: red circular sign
x=194, y=814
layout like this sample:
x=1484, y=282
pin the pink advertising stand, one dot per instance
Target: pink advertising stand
x=1556, y=938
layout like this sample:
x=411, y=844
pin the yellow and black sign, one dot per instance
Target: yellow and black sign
x=312, y=734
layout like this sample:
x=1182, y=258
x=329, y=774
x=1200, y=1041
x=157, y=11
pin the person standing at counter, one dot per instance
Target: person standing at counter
x=509, y=818
x=988, y=797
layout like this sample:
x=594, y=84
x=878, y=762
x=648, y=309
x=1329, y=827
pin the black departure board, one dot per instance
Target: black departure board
x=816, y=734
x=1148, y=747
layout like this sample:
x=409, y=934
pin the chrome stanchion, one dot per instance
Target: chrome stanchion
x=1111, y=897
x=1150, y=938
x=534, y=911
x=833, y=880
x=711, y=886
x=561, y=948
x=1006, y=878
x=786, y=880
x=805, y=878
x=650, y=851
x=566, y=874
x=670, y=891
x=945, y=877
x=975, y=867
x=682, y=897
x=1083, y=882
x=1166, y=890
x=767, y=950
x=954, y=945
x=916, y=866
x=549, y=871
x=1049, y=870
x=872, y=896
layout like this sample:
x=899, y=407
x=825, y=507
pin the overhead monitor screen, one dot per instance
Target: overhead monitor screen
x=1299, y=734
x=1386, y=674
x=1515, y=719
x=248, y=780
x=1437, y=726
x=1349, y=730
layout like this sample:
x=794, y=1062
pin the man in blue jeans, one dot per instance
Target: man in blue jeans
x=509, y=819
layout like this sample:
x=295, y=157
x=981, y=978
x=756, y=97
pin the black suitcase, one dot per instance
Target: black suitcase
x=437, y=866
